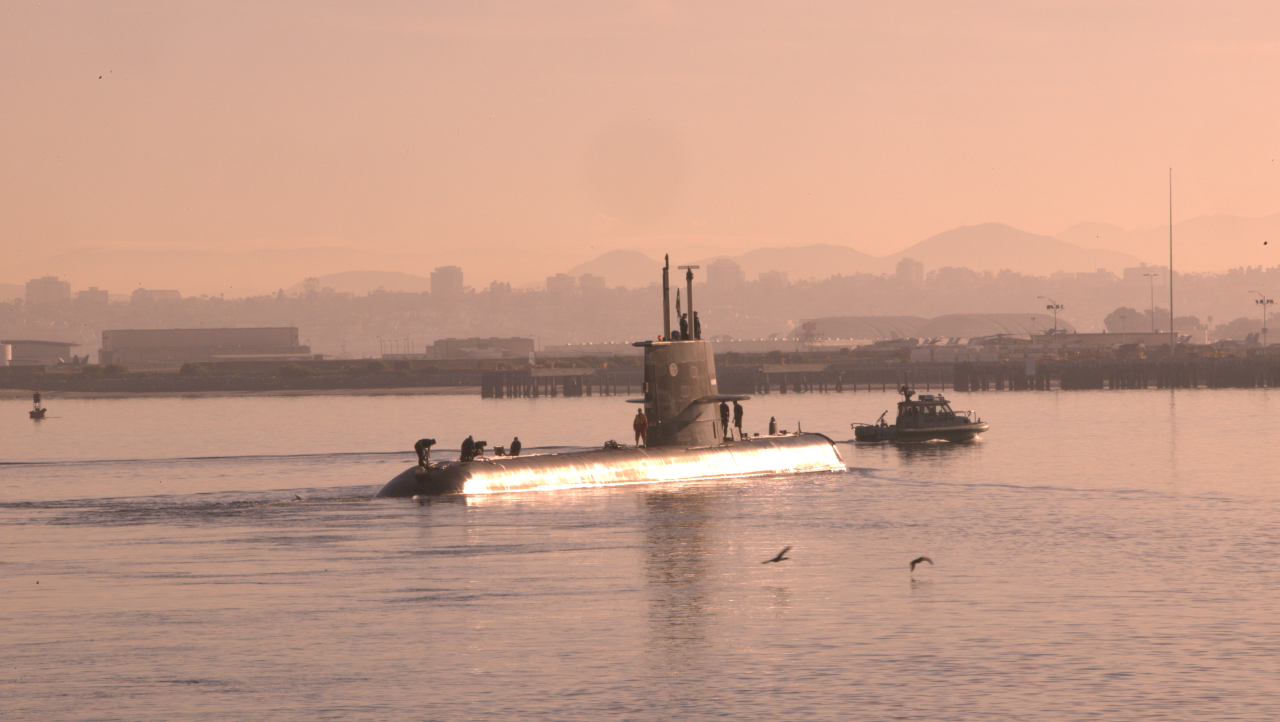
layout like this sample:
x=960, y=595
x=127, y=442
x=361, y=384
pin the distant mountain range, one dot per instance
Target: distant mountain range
x=1210, y=243
x=630, y=269
x=1207, y=243
x=988, y=247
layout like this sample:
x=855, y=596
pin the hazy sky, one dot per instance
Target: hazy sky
x=421, y=127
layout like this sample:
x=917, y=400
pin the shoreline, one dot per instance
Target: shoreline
x=8, y=394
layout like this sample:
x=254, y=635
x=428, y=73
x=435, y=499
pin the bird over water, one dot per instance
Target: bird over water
x=782, y=556
x=917, y=560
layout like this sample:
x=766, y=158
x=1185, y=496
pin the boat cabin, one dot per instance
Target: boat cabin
x=926, y=410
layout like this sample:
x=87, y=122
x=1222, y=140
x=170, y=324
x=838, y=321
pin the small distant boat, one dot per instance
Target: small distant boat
x=37, y=411
x=927, y=418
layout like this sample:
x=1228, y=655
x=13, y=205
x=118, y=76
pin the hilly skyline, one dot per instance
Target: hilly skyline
x=985, y=247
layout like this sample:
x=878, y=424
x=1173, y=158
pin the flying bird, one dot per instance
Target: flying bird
x=782, y=556
x=917, y=560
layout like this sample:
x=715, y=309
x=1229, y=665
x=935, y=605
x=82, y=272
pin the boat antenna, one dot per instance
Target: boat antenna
x=688, y=298
x=666, y=298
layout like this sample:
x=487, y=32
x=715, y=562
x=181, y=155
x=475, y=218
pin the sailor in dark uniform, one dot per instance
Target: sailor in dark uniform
x=724, y=419
x=423, y=449
x=468, y=450
x=737, y=417
x=515, y=446
x=684, y=326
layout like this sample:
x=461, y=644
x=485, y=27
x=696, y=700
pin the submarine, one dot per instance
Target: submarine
x=686, y=440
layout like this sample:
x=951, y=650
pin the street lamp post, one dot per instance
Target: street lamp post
x=1152, y=278
x=1053, y=306
x=1264, y=302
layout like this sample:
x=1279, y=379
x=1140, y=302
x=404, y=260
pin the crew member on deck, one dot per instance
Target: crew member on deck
x=423, y=448
x=737, y=417
x=515, y=446
x=697, y=326
x=724, y=419
x=684, y=326
x=468, y=449
x=641, y=427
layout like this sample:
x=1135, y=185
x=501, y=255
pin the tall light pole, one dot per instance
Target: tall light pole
x=1264, y=302
x=1152, y=278
x=1055, y=307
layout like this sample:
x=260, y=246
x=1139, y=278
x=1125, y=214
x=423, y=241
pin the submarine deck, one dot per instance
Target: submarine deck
x=759, y=456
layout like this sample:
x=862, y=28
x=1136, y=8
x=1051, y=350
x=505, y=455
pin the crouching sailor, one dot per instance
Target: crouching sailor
x=423, y=449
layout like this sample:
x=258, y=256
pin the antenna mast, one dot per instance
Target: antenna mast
x=666, y=298
x=1173, y=337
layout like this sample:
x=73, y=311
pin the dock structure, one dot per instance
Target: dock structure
x=1020, y=375
x=534, y=383
x=1261, y=371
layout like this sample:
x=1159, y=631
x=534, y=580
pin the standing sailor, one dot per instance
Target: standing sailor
x=724, y=419
x=641, y=427
x=468, y=449
x=515, y=446
x=737, y=417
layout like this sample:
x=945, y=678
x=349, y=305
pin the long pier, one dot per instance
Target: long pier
x=1040, y=375
x=843, y=376
x=533, y=383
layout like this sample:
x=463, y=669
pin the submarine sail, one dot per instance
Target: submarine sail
x=686, y=439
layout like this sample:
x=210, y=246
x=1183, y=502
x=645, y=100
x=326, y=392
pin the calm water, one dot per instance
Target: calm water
x=1099, y=555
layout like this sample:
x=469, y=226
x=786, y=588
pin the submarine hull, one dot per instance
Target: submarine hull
x=759, y=456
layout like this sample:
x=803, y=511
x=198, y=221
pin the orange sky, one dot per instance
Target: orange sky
x=421, y=128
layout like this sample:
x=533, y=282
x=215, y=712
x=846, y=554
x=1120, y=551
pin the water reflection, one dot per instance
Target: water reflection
x=939, y=451
x=677, y=570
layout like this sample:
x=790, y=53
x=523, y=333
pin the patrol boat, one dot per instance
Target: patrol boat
x=687, y=440
x=928, y=418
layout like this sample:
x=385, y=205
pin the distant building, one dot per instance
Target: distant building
x=590, y=283
x=863, y=327
x=47, y=291
x=1104, y=340
x=976, y=325
x=446, y=282
x=773, y=278
x=176, y=346
x=143, y=295
x=911, y=272
x=561, y=284
x=1138, y=274
x=1100, y=276
x=725, y=274
x=454, y=348
x=39, y=353
x=93, y=296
